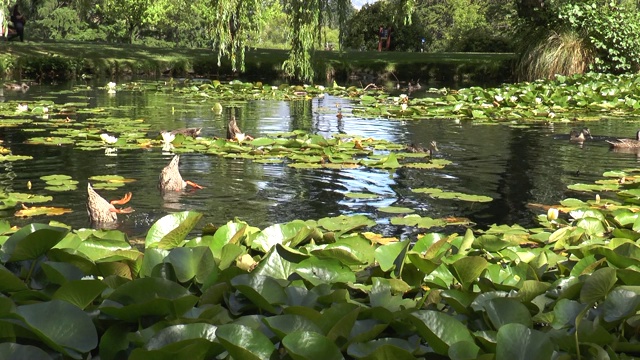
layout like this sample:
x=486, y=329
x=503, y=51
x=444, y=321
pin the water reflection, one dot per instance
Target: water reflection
x=514, y=165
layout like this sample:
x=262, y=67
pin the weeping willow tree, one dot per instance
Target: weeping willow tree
x=4, y=17
x=236, y=22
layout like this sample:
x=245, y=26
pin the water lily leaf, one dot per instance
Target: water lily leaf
x=324, y=271
x=353, y=195
x=468, y=269
x=620, y=303
x=593, y=187
x=170, y=231
x=111, y=179
x=193, y=263
x=309, y=345
x=392, y=255
x=440, y=330
x=11, y=157
x=148, y=297
x=463, y=350
x=516, y=341
x=80, y=293
x=395, y=209
x=263, y=291
x=62, y=187
x=29, y=198
x=598, y=285
x=57, y=177
x=278, y=234
x=378, y=239
x=31, y=242
x=345, y=223
x=243, y=342
x=9, y=282
x=10, y=351
x=385, y=348
x=282, y=325
x=502, y=311
x=41, y=210
x=180, y=342
x=349, y=251
x=50, y=322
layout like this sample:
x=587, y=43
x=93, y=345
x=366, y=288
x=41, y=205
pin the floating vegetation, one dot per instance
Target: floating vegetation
x=41, y=210
x=561, y=99
x=441, y=194
x=109, y=182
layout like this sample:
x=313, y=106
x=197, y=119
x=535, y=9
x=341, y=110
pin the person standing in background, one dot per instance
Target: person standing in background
x=18, y=21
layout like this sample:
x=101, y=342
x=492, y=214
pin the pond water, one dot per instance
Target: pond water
x=514, y=165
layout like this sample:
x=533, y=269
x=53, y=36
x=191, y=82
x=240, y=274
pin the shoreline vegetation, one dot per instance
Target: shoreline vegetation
x=58, y=60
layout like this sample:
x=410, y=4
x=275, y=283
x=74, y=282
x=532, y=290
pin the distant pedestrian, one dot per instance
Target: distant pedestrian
x=383, y=36
x=18, y=21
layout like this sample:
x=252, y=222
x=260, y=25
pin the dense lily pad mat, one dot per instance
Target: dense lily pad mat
x=589, y=96
x=329, y=288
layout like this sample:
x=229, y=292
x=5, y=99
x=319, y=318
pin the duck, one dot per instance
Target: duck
x=626, y=143
x=581, y=135
x=192, y=132
x=413, y=148
x=101, y=211
x=171, y=180
x=16, y=86
x=234, y=133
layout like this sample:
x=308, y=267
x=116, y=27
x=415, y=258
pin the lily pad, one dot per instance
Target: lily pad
x=41, y=210
x=354, y=195
x=396, y=210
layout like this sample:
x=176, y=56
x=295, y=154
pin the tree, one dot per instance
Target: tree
x=131, y=15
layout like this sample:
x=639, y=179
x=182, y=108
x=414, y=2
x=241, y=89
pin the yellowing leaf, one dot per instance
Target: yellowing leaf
x=41, y=210
x=378, y=239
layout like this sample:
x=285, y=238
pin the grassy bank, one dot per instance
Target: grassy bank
x=45, y=60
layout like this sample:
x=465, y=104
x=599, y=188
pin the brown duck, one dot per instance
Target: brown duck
x=16, y=86
x=192, y=132
x=170, y=178
x=581, y=135
x=234, y=133
x=102, y=211
x=433, y=147
x=626, y=143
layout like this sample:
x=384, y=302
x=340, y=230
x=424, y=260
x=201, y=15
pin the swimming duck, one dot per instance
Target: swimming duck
x=193, y=132
x=16, y=86
x=433, y=147
x=103, y=212
x=581, y=135
x=626, y=143
x=170, y=178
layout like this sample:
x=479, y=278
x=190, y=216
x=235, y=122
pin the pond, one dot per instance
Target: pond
x=515, y=165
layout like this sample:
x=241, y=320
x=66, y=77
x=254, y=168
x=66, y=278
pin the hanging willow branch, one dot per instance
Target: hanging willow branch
x=234, y=23
x=232, y=26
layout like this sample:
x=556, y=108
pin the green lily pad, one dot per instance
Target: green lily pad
x=396, y=210
x=353, y=195
x=11, y=157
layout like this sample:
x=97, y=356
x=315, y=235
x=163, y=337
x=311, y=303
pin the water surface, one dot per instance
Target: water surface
x=514, y=165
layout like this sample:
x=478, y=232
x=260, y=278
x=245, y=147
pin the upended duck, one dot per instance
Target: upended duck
x=170, y=178
x=626, y=143
x=581, y=135
x=234, y=133
x=433, y=147
x=101, y=211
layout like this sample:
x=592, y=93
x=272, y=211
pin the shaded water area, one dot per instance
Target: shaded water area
x=514, y=165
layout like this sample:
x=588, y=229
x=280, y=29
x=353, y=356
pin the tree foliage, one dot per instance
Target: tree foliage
x=605, y=34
